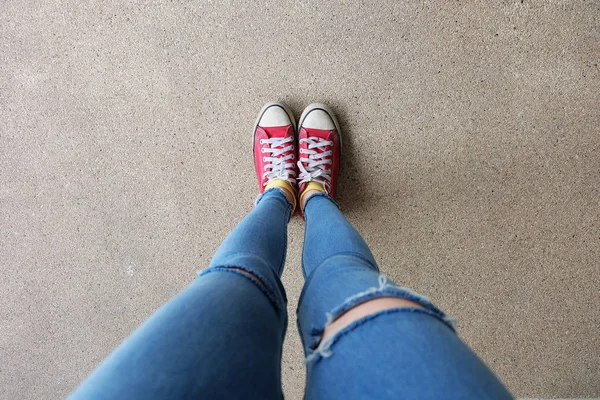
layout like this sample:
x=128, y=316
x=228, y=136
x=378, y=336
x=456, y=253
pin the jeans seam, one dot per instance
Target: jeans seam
x=304, y=246
x=285, y=239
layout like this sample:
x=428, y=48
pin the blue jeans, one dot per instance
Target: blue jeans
x=222, y=337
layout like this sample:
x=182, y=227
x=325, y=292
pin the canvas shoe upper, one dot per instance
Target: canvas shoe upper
x=319, y=142
x=274, y=146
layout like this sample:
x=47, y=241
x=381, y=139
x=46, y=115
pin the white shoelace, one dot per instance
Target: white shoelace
x=278, y=166
x=312, y=166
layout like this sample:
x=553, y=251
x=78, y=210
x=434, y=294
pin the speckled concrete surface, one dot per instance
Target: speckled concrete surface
x=471, y=167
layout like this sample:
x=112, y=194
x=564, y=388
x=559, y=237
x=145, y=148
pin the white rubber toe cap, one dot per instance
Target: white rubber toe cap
x=316, y=118
x=274, y=115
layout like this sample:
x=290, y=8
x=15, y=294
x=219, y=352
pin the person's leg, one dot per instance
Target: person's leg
x=389, y=342
x=364, y=336
x=222, y=336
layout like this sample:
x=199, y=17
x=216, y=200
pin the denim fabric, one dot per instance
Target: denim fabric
x=400, y=353
x=222, y=337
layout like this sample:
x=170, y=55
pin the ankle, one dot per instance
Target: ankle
x=288, y=191
x=291, y=197
x=310, y=189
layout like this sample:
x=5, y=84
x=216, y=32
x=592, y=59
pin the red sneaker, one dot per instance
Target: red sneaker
x=274, y=147
x=320, y=147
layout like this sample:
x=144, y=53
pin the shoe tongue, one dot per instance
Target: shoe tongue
x=276, y=131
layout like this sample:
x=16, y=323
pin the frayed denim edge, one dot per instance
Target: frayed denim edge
x=385, y=289
x=321, y=194
x=324, y=348
x=281, y=191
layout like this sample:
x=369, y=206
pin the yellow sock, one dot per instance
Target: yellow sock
x=311, y=186
x=284, y=185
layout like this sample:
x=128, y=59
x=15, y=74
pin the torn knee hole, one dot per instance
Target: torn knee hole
x=362, y=310
x=250, y=274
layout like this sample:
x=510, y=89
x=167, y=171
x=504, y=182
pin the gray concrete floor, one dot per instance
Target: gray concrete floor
x=471, y=166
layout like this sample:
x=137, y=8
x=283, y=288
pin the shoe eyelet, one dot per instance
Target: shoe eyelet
x=264, y=159
x=262, y=150
x=261, y=141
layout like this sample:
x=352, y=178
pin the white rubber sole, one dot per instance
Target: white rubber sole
x=317, y=106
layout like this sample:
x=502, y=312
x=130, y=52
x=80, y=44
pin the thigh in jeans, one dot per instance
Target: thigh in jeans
x=397, y=352
x=408, y=352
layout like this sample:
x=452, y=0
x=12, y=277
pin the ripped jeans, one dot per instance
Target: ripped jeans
x=222, y=337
